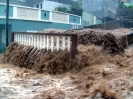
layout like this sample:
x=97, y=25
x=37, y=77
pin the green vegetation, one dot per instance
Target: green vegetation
x=122, y=5
x=62, y=9
x=76, y=9
x=129, y=6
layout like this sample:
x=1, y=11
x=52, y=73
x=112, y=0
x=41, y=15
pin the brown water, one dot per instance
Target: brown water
x=110, y=78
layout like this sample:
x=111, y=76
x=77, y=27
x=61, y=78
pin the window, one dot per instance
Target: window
x=37, y=6
x=45, y=14
x=41, y=5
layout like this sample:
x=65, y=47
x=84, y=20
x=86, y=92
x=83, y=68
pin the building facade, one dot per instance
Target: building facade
x=43, y=4
x=128, y=1
x=23, y=19
x=89, y=19
x=51, y=4
x=103, y=9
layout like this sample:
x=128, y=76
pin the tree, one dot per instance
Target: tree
x=62, y=9
x=75, y=9
x=129, y=6
x=121, y=4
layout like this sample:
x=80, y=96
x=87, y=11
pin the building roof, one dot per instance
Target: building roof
x=15, y=2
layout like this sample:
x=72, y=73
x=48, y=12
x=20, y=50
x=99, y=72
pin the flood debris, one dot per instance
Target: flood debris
x=40, y=60
x=112, y=41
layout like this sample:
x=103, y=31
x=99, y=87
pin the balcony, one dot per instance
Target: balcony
x=33, y=14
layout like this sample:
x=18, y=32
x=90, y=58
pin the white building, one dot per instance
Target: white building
x=51, y=4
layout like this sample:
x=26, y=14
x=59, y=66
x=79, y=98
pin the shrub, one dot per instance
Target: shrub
x=62, y=9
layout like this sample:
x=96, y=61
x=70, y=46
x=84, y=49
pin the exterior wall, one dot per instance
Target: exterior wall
x=74, y=19
x=3, y=10
x=88, y=19
x=28, y=13
x=39, y=3
x=129, y=1
x=24, y=25
x=99, y=21
x=91, y=5
x=24, y=19
x=100, y=8
x=45, y=15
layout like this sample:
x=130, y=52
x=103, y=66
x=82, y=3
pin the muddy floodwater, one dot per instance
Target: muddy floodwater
x=19, y=83
x=111, y=78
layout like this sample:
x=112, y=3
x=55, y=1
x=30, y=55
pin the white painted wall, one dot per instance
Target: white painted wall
x=76, y=0
x=49, y=5
x=89, y=18
x=22, y=0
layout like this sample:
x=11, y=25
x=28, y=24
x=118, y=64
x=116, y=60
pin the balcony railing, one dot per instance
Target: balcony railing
x=28, y=13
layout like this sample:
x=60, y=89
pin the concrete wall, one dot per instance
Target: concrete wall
x=74, y=19
x=88, y=18
x=3, y=10
x=107, y=26
x=99, y=21
x=45, y=15
x=100, y=8
x=24, y=25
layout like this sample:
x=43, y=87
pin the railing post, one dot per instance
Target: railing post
x=34, y=37
x=74, y=46
x=44, y=44
x=57, y=43
x=12, y=37
x=63, y=43
x=68, y=43
x=40, y=41
x=50, y=17
x=39, y=14
x=14, y=12
x=80, y=21
x=68, y=18
x=47, y=42
x=52, y=43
